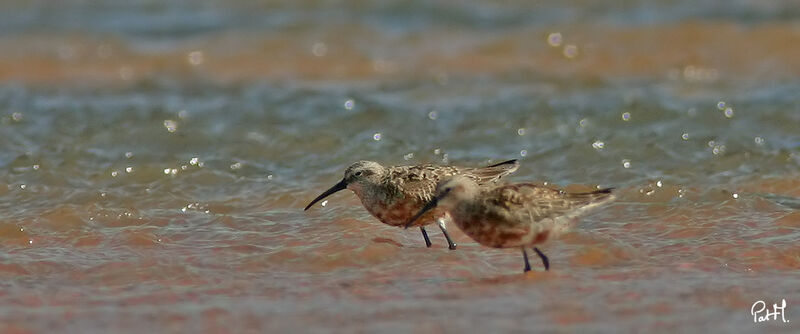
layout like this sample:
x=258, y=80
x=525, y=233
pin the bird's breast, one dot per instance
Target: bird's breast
x=399, y=211
x=498, y=232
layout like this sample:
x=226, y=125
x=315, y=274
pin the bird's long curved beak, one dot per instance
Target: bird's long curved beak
x=336, y=187
x=432, y=204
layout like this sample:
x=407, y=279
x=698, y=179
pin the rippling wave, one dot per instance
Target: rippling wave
x=156, y=159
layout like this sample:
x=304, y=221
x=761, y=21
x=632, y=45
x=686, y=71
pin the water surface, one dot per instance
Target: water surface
x=156, y=158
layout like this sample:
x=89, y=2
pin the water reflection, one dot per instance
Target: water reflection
x=156, y=159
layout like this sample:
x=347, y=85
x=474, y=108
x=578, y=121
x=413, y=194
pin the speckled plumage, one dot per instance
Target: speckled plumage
x=405, y=189
x=513, y=215
x=394, y=194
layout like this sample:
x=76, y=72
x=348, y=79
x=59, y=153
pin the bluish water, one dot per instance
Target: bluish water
x=156, y=159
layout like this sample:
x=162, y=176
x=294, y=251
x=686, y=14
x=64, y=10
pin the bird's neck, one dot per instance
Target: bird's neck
x=375, y=193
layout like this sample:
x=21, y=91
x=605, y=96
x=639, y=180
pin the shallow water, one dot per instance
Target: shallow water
x=156, y=158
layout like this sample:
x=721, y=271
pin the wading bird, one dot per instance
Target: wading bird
x=512, y=215
x=394, y=194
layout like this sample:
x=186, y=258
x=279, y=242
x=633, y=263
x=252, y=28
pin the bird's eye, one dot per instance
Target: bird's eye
x=358, y=173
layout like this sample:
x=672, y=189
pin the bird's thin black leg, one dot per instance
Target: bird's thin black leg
x=425, y=235
x=452, y=245
x=545, y=261
x=525, y=256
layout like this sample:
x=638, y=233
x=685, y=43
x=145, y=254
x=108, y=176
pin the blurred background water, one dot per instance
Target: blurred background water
x=155, y=159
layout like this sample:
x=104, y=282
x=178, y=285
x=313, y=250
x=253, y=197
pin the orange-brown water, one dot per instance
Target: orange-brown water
x=155, y=160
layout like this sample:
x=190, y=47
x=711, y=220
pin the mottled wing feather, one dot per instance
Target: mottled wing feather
x=418, y=181
x=540, y=202
x=488, y=174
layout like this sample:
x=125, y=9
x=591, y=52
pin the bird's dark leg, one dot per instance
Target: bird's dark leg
x=425, y=235
x=545, y=261
x=452, y=245
x=525, y=256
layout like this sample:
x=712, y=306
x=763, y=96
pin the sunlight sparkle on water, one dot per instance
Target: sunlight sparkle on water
x=319, y=49
x=554, y=39
x=570, y=51
x=108, y=218
x=698, y=73
x=729, y=112
x=171, y=125
x=195, y=58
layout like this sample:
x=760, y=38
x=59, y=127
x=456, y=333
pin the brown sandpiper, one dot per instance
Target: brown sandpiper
x=512, y=215
x=394, y=194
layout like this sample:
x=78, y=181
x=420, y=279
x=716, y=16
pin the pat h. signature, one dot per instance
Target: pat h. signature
x=760, y=312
